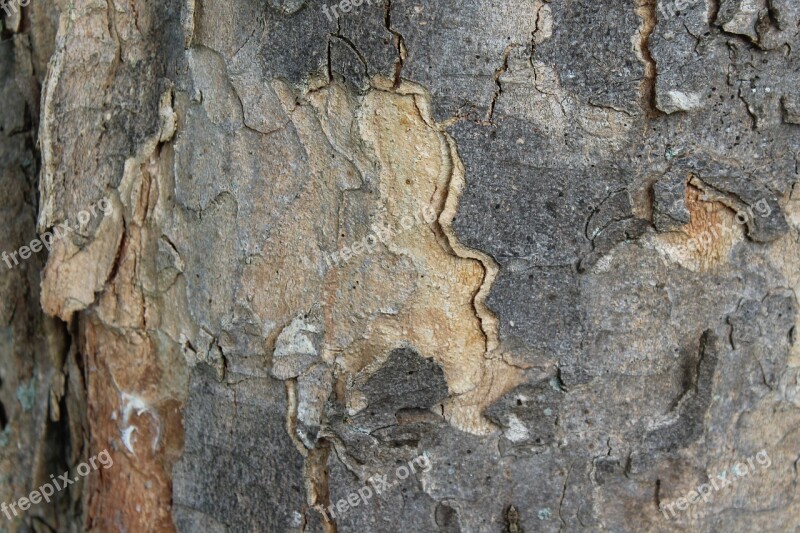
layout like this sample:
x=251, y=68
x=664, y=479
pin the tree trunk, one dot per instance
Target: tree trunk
x=529, y=265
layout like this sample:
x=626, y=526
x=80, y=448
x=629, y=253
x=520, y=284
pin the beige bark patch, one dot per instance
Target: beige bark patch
x=446, y=316
x=707, y=239
x=392, y=167
x=73, y=275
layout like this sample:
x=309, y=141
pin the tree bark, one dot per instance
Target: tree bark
x=460, y=267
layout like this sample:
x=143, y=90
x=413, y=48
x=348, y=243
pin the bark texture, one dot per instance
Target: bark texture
x=550, y=247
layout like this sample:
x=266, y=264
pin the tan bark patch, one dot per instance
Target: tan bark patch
x=389, y=164
x=74, y=276
x=706, y=241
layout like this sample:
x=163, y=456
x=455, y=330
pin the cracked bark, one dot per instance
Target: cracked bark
x=551, y=247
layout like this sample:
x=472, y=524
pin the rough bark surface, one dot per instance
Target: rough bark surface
x=552, y=247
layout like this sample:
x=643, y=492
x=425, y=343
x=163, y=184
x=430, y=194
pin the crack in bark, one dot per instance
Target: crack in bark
x=683, y=424
x=533, y=36
x=750, y=113
x=595, y=211
x=355, y=50
x=773, y=15
x=498, y=73
x=291, y=416
x=713, y=11
x=112, y=32
x=317, y=478
x=455, y=188
x=399, y=42
x=646, y=11
x=48, y=127
x=657, y=495
x=561, y=502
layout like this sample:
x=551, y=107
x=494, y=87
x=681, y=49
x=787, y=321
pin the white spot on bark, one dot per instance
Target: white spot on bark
x=685, y=101
x=127, y=440
x=130, y=404
x=516, y=432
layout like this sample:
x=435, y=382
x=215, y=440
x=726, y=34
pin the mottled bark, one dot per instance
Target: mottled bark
x=478, y=266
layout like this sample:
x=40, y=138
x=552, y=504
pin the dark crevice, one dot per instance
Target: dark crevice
x=3, y=417
x=657, y=494
x=689, y=410
x=498, y=86
x=595, y=211
x=330, y=66
x=355, y=50
x=58, y=459
x=753, y=117
x=399, y=43
x=713, y=11
x=772, y=16
x=561, y=503
x=318, y=477
x=646, y=10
